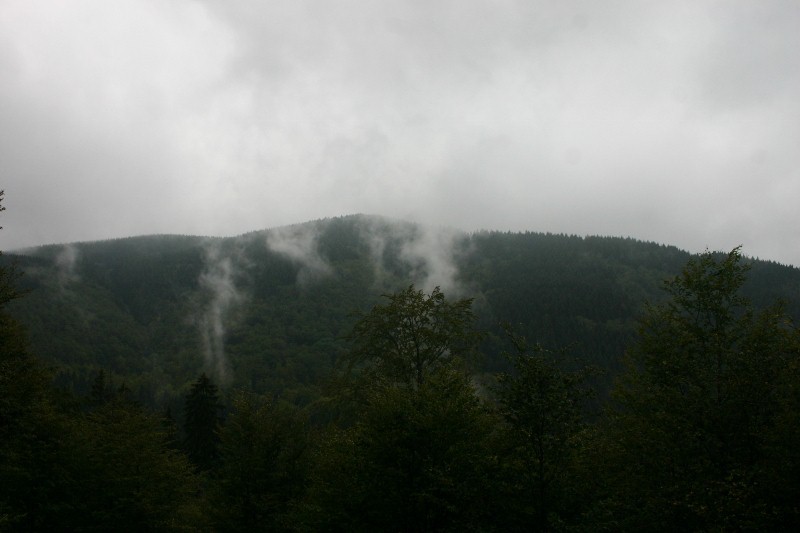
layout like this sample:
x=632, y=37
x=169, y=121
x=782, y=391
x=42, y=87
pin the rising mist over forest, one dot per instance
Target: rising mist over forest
x=269, y=310
x=364, y=373
x=546, y=347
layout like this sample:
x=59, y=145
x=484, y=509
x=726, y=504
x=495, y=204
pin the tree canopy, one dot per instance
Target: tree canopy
x=698, y=438
x=413, y=335
x=701, y=433
x=202, y=410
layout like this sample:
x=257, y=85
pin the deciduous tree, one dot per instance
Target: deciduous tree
x=543, y=407
x=415, y=457
x=412, y=335
x=692, y=444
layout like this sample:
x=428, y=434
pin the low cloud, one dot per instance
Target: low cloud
x=218, y=279
x=432, y=256
x=66, y=261
x=299, y=244
x=429, y=252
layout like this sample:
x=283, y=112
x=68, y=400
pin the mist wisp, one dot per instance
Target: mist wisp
x=67, y=261
x=430, y=253
x=218, y=280
x=432, y=257
x=299, y=244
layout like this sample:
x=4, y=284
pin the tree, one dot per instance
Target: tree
x=411, y=336
x=31, y=431
x=262, y=465
x=692, y=443
x=415, y=457
x=66, y=469
x=125, y=474
x=202, y=423
x=543, y=409
x=416, y=460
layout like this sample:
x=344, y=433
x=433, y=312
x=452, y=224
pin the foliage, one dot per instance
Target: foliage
x=28, y=447
x=702, y=433
x=202, y=423
x=543, y=407
x=63, y=468
x=262, y=467
x=32, y=433
x=416, y=460
x=693, y=443
x=411, y=336
x=108, y=468
x=130, y=478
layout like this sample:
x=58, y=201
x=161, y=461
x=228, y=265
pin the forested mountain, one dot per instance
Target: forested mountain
x=268, y=311
x=317, y=378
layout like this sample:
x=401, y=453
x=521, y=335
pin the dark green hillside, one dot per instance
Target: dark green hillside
x=263, y=383
x=267, y=310
x=563, y=290
x=117, y=307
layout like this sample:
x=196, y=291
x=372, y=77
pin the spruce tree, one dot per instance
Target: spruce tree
x=202, y=423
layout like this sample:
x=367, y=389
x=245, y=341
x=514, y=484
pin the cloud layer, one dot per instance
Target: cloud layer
x=676, y=122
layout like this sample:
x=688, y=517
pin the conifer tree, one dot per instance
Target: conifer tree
x=202, y=423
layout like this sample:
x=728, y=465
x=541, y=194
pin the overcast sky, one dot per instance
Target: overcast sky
x=676, y=122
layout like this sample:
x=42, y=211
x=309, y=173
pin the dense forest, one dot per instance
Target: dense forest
x=363, y=374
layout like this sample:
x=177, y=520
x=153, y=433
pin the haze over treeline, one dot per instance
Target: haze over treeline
x=575, y=311
x=226, y=305
x=671, y=122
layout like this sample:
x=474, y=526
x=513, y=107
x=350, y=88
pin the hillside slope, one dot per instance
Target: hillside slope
x=268, y=310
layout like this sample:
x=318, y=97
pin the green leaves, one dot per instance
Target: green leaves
x=263, y=464
x=416, y=460
x=700, y=404
x=129, y=477
x=411, y=336
x=415, y=456
x=543, y=409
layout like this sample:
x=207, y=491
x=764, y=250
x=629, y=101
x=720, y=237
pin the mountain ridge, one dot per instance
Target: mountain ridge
x=268, y=310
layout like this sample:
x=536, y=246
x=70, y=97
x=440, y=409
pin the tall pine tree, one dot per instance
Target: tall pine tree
x=202, y=423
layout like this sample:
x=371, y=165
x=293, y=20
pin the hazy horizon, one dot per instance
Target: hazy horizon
x=676, y=123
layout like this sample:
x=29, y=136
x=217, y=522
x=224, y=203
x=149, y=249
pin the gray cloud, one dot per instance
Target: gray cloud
x=676, y=121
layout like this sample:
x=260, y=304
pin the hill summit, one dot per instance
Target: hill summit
x=269, y=310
